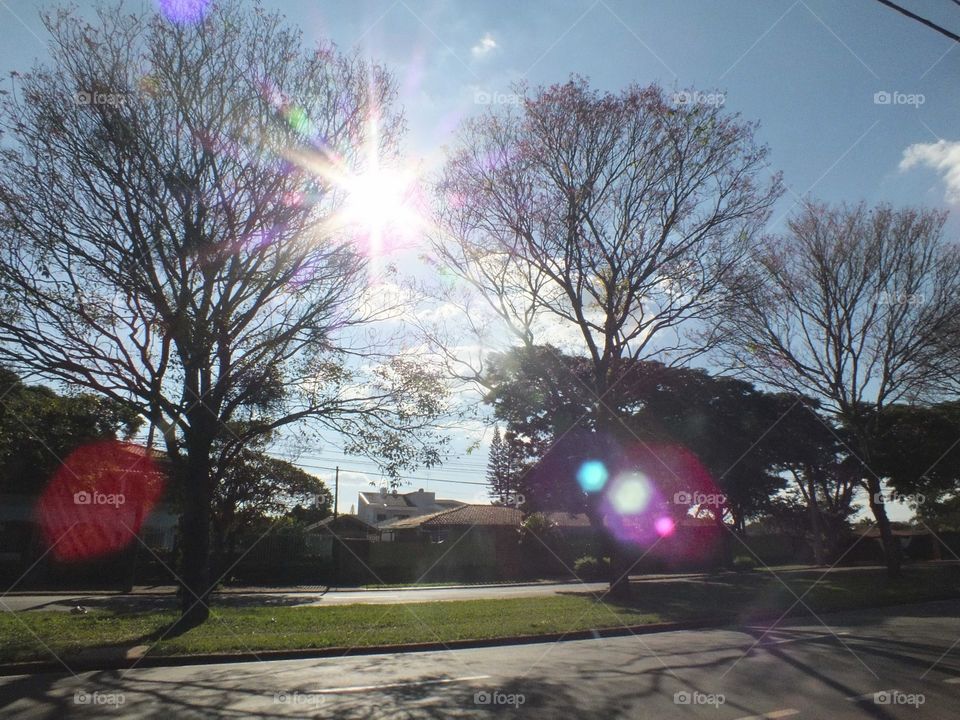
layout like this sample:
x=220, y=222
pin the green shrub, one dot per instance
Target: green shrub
x=588, y=567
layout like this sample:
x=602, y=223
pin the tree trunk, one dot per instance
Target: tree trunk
x=866, y=433
x=619, y=580
x=726, y=542
x=608, y=547
x=891, y=546
x=815, y=524
x=607, y=426
x=195, y=585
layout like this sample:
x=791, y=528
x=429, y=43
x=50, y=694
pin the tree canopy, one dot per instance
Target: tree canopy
x=169, y=239
x=39, y=428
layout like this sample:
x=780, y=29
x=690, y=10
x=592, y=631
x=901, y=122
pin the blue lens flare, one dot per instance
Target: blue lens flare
x=592, y=476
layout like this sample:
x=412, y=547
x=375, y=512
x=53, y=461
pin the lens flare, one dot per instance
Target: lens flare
x=184, y=12
x=382, y=203
x=592, y=476
x=630, y=494
x=664, y=526
x=385, y=206
x=98, y=499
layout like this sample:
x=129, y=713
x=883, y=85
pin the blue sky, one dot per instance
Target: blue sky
x=809, y=71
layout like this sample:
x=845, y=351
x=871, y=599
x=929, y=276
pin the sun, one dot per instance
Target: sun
x=383, y=205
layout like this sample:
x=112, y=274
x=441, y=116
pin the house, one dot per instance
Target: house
x=345, y=527
x=348, y=529
x=467, y=543
x=379, y=507
x=439, y=526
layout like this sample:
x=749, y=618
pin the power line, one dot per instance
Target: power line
x=455, y=466
x=921, y=20
x=376, y=470
x=372, y=465
x=400, y=477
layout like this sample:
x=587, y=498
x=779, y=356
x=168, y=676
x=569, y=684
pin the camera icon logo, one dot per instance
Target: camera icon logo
x=882, y=97
x=682, y=697
x=482, y=697
x=682, y=498
x=82, y=498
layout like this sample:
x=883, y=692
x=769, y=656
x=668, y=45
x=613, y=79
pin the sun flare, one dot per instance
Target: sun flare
x=381, y=204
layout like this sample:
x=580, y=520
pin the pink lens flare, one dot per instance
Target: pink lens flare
x=184, y=12
x=664, y=526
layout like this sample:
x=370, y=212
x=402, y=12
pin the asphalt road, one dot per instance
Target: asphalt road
x=803, y=669
x=293, y=599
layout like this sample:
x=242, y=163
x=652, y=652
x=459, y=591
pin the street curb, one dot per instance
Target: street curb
x=147, y=661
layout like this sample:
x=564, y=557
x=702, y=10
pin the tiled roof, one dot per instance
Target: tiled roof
x=343, y=521
x=407, y=523
x=485, y=515
x=568, y=520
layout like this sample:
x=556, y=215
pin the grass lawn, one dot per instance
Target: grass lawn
x=743, y=597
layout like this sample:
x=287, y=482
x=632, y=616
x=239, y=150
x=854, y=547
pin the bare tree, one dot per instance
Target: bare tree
x=847, y=307
x=168, y=196
x=616, y=218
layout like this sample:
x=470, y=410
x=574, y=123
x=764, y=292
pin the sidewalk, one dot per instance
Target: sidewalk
x=165, y=590
x=146, y=591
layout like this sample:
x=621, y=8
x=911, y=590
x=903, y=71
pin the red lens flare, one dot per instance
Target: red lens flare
x=97, y=500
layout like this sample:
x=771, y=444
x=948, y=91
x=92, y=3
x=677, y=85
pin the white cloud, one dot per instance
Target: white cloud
x=484, y=46
x=942, y=156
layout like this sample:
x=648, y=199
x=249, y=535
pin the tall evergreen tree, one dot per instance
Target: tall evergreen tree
x=499, y=470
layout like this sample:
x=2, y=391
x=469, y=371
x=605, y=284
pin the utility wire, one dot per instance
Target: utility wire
x=401, y=477
x=913, y=16
x=376, y=470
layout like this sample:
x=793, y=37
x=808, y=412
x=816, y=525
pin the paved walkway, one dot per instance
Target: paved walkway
x=158, y=597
